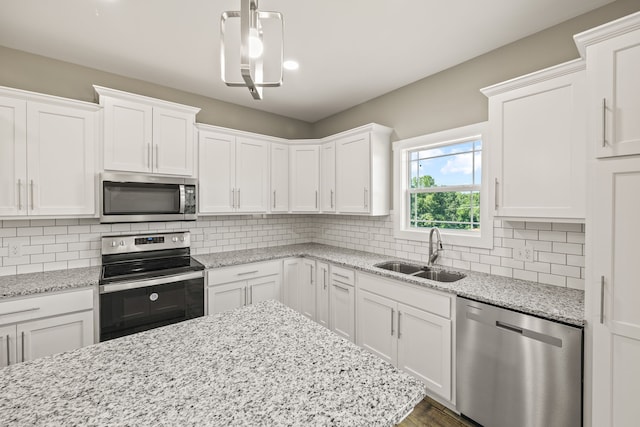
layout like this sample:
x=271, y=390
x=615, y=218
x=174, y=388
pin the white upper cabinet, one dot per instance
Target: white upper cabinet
x=328, y=177
x=279, y=177
x=144, y=134
x=612, y=52
x=538, y=146
x=233, y=172
x=363, y=171
x=304, y=178
x=47, y=155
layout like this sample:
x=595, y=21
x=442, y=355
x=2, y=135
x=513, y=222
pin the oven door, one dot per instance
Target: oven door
x=127, y=308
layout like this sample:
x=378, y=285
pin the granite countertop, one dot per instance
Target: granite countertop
x=263, y=364
x=37, y=283
x=547, y=301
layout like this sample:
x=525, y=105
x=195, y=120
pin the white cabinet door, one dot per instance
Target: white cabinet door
x=60, y=160
x=53, y=335
x=279, y=177
x=217, y=171
x=377, y=326
x=291, y=278
x=13, y=155
x=614, y=277
x=424, y=348
x=328, y=177
x=342, y=310
x=172, y=142
x=538, y=145
x=614, y=67
x=304, y=178
x=307, y=295
x=353, y=165
x=322, y=294
x=226, y=297
x=252, y=175
x=128, y=130
x=7, y=345
x=264, y=288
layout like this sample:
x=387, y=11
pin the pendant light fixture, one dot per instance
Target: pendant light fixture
x=252, y=48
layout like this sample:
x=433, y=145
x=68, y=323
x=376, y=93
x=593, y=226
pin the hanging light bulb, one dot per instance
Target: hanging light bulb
x=256, y=47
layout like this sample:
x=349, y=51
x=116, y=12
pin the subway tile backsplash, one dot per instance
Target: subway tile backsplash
x=46, y=245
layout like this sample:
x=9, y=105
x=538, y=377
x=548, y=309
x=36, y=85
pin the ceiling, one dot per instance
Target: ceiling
x=349, y=51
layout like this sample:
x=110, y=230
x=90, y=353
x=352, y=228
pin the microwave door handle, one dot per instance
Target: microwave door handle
x=183, y=198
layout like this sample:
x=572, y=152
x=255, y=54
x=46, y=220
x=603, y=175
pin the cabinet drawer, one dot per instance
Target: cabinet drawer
x=217, y=276
x=343, y=275
x=19, y=310
x=424, y=299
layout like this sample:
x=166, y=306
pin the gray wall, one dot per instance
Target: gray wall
x=452, y=97
x=36, y=73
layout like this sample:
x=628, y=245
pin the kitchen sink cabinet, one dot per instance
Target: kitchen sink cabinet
x=279, y=177
x=322, y=293
x=328, y=177
x=237, y=286
x=47, y=155
x=233, y=173
x=35, y=327
x=148, y=135
x=304, y=176
x=342, y=305
x=612, y=52
x=408, y=327
x=363, y=171
x=538, y=149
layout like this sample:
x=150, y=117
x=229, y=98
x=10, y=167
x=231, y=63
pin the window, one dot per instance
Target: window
x=440, y=181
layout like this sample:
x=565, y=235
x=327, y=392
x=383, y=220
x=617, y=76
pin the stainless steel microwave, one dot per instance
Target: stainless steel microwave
x=140, y=198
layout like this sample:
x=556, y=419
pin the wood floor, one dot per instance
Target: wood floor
x=430, y=413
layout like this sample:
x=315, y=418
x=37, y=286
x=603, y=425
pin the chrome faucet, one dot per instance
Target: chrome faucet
x=433, y=256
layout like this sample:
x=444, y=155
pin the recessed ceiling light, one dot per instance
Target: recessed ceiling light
x=290, y=65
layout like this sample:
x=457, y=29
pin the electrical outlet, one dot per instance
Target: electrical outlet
x=15, y=249
x=524, y=253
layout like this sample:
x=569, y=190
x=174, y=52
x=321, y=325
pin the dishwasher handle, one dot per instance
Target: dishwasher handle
x=545, y=338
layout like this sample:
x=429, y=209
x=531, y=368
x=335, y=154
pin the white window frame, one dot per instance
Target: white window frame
x=401, y=149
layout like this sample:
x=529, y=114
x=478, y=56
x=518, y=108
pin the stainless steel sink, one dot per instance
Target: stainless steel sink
x=399, y=267
x=440, y=275
x=423, y=272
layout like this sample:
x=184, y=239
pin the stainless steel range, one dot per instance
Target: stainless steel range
x=147, y=281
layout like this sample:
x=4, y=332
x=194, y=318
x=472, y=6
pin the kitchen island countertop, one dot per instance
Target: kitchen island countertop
x=258, y=365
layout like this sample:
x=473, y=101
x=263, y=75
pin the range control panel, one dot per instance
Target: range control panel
x=122, y=244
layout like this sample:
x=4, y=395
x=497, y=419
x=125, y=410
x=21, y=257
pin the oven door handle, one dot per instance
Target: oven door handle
x=115, y=287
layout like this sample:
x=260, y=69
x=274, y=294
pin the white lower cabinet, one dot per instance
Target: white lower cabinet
x=300, y=286
x=35, y=327
x=410, y=328
x=322, y=294
x=237, y=286
x=342, y=302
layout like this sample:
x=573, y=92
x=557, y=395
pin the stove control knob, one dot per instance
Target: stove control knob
x=121, y=242
x=174, y=239
x=113, y=243
x=182, y=238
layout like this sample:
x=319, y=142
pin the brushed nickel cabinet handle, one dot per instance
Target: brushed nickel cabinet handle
x=331, y=199
x=341, y=275
x=8, y=351
x=601, y=299
x=32, y=203
x=325, y=279
x=6, y=313
x=247, y=272
x=149, y=163
x=604, y=122
x=157, y=156
x=311, y=273
x=316, y=199
x=496, y=194
x=23, y=346
x=365, y=197
x=399, y=314
x=392, y=312
x=233, y=198
x=274, y=199
x=19, y=194
x=341, y=287
x=238, y=198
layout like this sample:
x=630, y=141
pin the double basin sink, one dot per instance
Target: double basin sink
x=423, y=272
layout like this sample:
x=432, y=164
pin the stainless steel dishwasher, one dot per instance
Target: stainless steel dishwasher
x=517, y=370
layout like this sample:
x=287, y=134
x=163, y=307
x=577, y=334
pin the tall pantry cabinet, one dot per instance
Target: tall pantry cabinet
x=612, y=294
